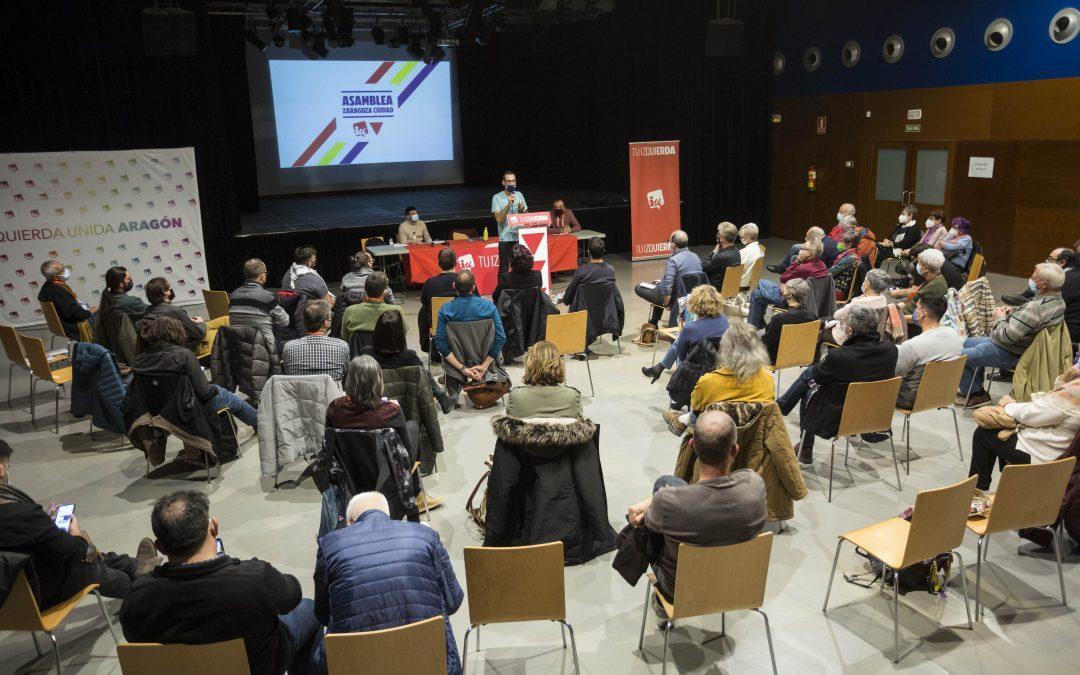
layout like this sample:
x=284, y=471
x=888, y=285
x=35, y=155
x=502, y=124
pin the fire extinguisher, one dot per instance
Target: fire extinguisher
x=811, y=179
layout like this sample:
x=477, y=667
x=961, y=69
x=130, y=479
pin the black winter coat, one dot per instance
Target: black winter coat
x=524, y=313
x=862, y=358
x=241, y=359
x=547, y=484
x=159, y=405
x=700, y=360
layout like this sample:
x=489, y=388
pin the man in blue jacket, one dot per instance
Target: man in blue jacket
x=380, y=573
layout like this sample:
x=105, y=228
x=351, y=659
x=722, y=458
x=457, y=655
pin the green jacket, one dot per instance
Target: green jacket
x=936, y=286
x=363, y=315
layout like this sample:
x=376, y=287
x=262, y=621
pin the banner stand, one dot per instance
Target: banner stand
x=655, y=202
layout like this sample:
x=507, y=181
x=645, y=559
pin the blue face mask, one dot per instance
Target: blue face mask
x=918, y=269
x=1032, y=286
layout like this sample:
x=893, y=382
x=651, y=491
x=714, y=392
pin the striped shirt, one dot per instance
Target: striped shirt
x=316, y=354
x=1015, y=331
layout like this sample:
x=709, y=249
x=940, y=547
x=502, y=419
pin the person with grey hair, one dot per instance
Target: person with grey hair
x=750, y=252
x=56, y=290
x=845, y=214
x=253, y=305
x=796, y=293
x=874, y=287
x=1013, y=332
x=666, y=291
x=864, y=357
x=907, y=234
x=808, y=265
x=316, y=353
x=724, y=254
x=928, y=267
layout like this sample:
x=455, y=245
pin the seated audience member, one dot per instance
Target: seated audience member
x=874, y=287
x=596, y=271
x=521, y=274
x=316, y=353
x=163, y=351
x=796, y=293
x=666, y=291
x=363, y=315
x=563, y=220
x=468, y=306
x=808, y=265
x=1064, y=258
x=544, y=392
x=828, y=250
x=160, y=294
x=722, y=508
x=706, y=320
x=928, y=268
x=843, y=214
x=253, y=305
x=864, y=357
x=388, y=348
x=201, y=596
x=750, y=252
x=1069, y=261
x=846, y=264
x=1013, y=332
x=115, y=299
x=65, y=562
x=724, y=254
x=56, y=290
x=957, y=244
x=439, y=286
x=302, y=277
x=955, y=277
x=378, y=573
x=934, y=343
x=412, y=230
x=935, y=229
x=1046, y=426
x=906, y=235
x=360, y=268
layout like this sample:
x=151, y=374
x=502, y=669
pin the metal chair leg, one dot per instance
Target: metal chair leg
x=768, y=637
x=896, y=615
x=57, y=418
x=907, y=438
x=37, y=648
x=465, y=649
x=10, y=374
x=52, y=342
x=723, y=624
x=896, y=464
x=1057, y=541
x=847, y=449
x=33, y=410
x=644, y=615
x=618, y=343
x=956, y=426
x=56, y=653
x=667, y=634
x=573, y=646
x=588, y=369
x=963, y=587
x=978, y=578
x=108, y=619
x=828, y=588
x=832, y=458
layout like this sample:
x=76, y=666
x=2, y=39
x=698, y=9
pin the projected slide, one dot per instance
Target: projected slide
x=361, y=112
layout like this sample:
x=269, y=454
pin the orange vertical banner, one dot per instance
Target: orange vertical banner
x=654, y=197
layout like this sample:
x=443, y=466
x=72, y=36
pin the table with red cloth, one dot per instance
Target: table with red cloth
x=482, y=257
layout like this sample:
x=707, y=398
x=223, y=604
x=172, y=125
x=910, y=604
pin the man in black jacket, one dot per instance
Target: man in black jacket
x=596, y=271
x=864, y=357
x=723, y=256
x=55, y=290
x=202, y=596
x=161, y=295
x=65, y=562
x=439, y=286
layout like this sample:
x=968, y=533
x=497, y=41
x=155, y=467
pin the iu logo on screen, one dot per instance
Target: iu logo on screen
x=656, y=199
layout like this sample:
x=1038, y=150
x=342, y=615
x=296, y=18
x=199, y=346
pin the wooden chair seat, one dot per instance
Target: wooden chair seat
x=884, y=540
x=664, y=603
x=978, y=524
x=55, y=615
x=62, y=375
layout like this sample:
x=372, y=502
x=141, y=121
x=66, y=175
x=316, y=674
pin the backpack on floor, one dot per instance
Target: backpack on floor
x=928, y=575
x=647, y=334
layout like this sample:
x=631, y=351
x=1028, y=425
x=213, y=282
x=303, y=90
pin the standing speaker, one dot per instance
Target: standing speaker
x=725, y=38
x=169, y=32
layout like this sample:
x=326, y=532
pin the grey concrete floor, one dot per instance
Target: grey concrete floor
x=1026, y=629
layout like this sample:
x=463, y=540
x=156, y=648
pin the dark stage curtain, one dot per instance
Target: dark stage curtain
x=75, y=77
x=560, y=106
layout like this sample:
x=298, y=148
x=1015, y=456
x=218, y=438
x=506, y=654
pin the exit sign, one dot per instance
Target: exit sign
x=912, y=128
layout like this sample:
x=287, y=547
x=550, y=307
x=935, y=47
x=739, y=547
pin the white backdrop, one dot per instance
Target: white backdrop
x=95, y=210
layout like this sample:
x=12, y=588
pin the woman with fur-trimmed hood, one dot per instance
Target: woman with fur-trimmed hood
x=546, y=482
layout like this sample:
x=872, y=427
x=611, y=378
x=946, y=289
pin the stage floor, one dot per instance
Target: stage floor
x=301, y=213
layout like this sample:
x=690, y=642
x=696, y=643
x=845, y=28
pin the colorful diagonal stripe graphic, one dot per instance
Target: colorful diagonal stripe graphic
x=379, y=72
x=411, y=87
x=319, y=140
x=353, y=152
x=403, y=72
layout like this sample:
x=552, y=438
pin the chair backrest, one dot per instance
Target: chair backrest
x=940, y=380
x=365, y=468
x=436, y=305
x=567, y=331
x=20, y=610
x=976, y=267
x=868, y=407
x=360, y=340
x=712, y=579
x=798, y=344
x=371, y=241
x=515, y=583
x=12, y=345
x=217, y=658
x=458, y=236
x=755, y=271
x=34, y=348
x=938, y=521
x=463, y=233
x=217, y=303
x=732, y=282
x=692, y=280
x=1029, y=495
x=52, y=319
x=413, y=649
x=856, y=281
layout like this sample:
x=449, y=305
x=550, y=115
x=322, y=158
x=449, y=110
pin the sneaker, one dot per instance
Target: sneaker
x=146, y=558
x=674, y=424
x=429, y=501
x=1014, y=300
x=805, y=455
x=977, y=400
x=775, y=269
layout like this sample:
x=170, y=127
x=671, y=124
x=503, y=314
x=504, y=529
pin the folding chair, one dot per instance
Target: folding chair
x=798, y=347
x=413, y=649
x=937, y=391
x=868, y=408
x=38, y=358
x=217, y=303
x=567, y=333
x=217, y=658
x=14, y=351
x=436, y=305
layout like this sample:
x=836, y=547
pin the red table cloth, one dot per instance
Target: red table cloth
x=482, y=257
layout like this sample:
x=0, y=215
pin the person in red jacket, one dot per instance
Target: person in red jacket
x=807, y=265
x=842, y=213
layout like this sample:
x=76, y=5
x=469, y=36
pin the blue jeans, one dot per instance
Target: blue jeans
x=236, y=405
x=799, y=393
x=767, y=293
x=305, y=637
x=981, y=352
x=668, y=481
x=668, y=359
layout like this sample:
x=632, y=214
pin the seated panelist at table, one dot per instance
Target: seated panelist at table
x=412, y=230
x=562, y=219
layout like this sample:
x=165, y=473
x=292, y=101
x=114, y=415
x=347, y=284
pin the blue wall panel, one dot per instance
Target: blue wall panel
x=828, y=25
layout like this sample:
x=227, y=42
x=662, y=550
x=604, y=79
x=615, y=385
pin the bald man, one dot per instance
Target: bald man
x=722, y=508
x=842, y=213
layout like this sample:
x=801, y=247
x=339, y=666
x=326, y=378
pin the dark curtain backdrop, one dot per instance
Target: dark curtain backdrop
x=559, y=107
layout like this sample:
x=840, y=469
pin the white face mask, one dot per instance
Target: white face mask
x=953, y=232
x=839, y=217
x=903, y=219
x=67, y=274
x=929, y=223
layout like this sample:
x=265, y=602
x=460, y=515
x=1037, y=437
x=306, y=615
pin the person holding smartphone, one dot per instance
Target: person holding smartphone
x=65, y=561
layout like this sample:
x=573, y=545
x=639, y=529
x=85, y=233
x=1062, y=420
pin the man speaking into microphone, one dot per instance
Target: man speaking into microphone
x=504, y=203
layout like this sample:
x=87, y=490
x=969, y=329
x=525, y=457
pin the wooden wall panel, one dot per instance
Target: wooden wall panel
x=1040, y=110
x=1047, y=201
x=988, y=202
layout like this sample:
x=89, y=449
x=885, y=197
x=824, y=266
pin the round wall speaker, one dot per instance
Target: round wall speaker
x=811, y=60
x=1065, y=25
x=998, y=35
x=778, y=63
x=851, y=53
x=942, y=42
x=893, y=49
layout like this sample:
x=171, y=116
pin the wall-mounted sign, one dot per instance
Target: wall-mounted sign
x=914, y=114
x=822, y=125
x=849, y=164
x=912, y=128
x=776, y=119
x=981, y=167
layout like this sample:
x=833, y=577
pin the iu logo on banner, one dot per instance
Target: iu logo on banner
x=654, y=197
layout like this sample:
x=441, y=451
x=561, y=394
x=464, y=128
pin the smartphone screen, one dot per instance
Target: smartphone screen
x=220, y=546
x=63, y=516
